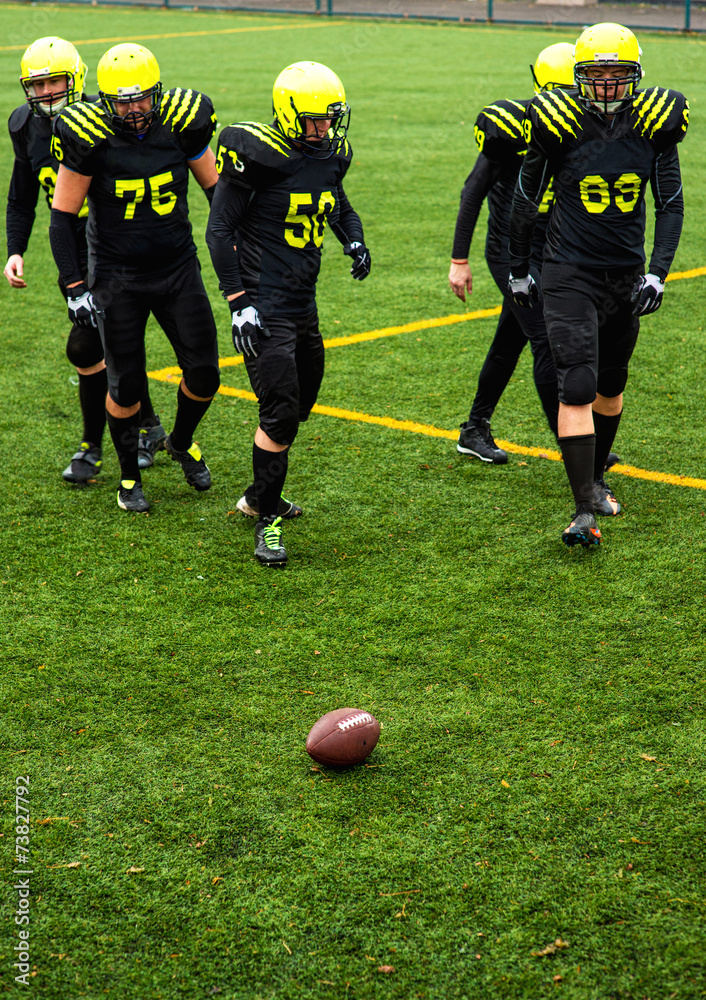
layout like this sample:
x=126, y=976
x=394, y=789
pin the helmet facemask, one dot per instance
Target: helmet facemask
x=608, y=96
x=49, y=105
x=323, y=143
x=135, y=121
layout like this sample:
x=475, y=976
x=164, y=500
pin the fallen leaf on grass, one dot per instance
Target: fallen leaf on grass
x=49, y=819
x=645, y=757
x=386, y=968
x=134, y=869
x=551, y=949
x=505, y=784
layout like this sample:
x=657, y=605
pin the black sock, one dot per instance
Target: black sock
x=549, y=398
x=606, y=429
x=578, y=455
x=92, y=390
x=125, y=432
x=148, y=418
x=188, y=415
x=269, y=474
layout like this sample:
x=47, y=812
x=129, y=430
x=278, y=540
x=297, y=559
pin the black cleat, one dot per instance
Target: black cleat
x=85, y=464
x=248, y=506
x=475, y=439
x=268, y=542
x=582, y=531
x=195, y=469
x=131, y=497
x=604, y=499
x=150, y=442
x=612, y=460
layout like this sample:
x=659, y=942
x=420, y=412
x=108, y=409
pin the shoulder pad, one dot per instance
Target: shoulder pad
x=344, y=153
x=499, y=131
x=19, y=118
x=245, y=148
x=555, y=116
x=191, y=118
x=186, y=109
x=662, y=115
x=78, y=131
x=83, y=126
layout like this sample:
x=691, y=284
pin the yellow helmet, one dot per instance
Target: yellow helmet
x=129, y=73
x=52, y=57
x=309, y=90
x=613, y=47
x=554, y=67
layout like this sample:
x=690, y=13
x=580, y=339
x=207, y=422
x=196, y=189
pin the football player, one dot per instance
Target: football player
x=500, y=138
x=279, y=185
x=131, y=157
x=602, y=144
x=53, y=76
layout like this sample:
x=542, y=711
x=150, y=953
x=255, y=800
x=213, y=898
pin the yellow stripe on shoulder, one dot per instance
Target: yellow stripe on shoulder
x=170, y=103
x=566, y=105
x=266, y=134
x=183, y=110
x=555, y=117
x=503, y=119
x=88, y=128
x=652, y=113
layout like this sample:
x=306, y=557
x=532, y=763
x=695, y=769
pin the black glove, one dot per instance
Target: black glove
x=361, y=259
x=247, y=327
x=82, y=309
x=524, y=291
x=647, y=294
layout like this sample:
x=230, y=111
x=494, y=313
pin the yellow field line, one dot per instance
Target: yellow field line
x=412, y=427
x=172, y=374
x=185, y=34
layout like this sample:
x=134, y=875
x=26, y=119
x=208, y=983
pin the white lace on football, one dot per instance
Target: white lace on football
x=354, y=720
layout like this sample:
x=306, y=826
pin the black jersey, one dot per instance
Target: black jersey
x=500, y=136
x=34, y=170
x=138, y=222
x=290, y=199
x=601, y=168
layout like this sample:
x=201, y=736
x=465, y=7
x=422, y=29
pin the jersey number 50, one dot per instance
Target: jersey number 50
x=300, y=229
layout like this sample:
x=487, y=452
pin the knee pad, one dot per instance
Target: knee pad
x=202, y=381
x=128, y=388
x=84, y=348
x=282, y=427
x=612, y=381
x=579, y=386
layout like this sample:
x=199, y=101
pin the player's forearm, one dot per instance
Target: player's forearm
x=531, y=184
x=227, y=214
x=475, y=191
x=21, y=206
x=65, y=247
x=669, y=212
x=18, y=227
x=345, y=222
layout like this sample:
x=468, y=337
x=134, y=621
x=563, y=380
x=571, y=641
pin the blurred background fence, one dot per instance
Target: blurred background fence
x=677, y=15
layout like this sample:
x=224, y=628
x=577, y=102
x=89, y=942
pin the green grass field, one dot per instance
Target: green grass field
x=531, y=822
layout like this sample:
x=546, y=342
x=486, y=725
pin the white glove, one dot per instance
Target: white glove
x=82, y=309
x=524, y=291
x=247, y=329
x=647, y=294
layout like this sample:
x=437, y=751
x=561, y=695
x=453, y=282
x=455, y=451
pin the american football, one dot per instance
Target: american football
x=343, y=737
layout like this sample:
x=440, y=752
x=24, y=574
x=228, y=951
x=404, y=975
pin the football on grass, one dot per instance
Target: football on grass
x=346, y=736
